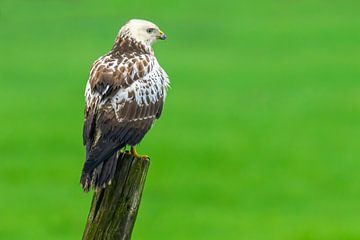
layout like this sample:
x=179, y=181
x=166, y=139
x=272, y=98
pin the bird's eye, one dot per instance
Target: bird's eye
x=150, y=30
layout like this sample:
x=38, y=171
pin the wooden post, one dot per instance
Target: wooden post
x=113, y=209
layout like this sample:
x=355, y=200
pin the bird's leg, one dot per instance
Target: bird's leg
x=135, y=154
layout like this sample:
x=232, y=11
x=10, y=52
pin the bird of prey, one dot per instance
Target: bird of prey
x=124, y=95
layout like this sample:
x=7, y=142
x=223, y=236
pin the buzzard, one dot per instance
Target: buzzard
x=124, y=95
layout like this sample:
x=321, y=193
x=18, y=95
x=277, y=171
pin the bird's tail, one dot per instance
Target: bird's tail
x=100, y=176
x=98, y=172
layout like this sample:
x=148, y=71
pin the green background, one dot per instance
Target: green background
x=259, y=138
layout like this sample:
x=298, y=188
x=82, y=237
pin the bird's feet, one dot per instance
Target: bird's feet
x=135, y=154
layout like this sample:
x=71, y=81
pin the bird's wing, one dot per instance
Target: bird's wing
x=138, y=106
x=109, y=74
x=123, y=98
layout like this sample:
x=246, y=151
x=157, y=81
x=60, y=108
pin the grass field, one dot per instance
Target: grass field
x=259, y=138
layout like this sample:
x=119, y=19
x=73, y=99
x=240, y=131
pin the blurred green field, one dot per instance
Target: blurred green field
x=259, y=138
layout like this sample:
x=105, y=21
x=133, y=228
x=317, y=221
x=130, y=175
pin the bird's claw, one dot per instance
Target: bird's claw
x=145, y=157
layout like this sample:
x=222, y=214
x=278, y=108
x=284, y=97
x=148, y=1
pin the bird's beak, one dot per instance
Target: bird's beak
x=162, y=36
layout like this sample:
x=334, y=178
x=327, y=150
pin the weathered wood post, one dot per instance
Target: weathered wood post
x=113, y=209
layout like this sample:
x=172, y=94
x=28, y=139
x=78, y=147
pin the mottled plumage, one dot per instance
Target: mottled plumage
x=124, y=95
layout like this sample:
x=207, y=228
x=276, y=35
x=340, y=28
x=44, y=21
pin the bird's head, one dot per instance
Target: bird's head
x=142, y=31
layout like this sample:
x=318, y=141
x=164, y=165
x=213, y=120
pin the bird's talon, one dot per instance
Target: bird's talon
x=136, y=155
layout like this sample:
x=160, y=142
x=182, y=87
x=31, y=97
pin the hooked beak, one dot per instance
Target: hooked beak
x=162, y=36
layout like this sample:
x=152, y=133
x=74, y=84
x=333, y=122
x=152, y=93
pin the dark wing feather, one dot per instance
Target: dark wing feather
x=135, y=121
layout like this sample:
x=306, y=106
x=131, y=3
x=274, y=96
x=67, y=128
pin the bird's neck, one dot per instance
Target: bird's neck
x=127, y=44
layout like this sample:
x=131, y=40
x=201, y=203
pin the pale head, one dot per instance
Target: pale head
x=142, y=31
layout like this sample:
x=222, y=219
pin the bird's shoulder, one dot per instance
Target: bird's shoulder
x=117, y=70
